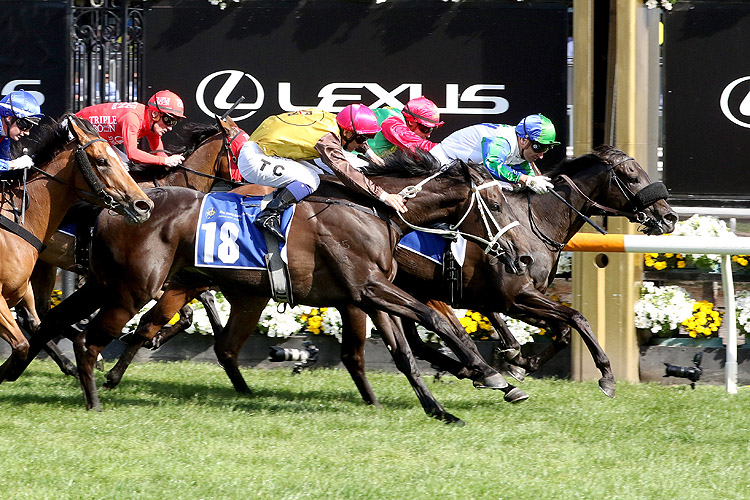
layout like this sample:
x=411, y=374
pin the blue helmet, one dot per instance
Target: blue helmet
x=21, y=104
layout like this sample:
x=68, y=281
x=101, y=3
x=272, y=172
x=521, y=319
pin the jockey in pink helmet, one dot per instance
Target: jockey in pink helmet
x=280, y=151
x=409, y=128
x=124, y=124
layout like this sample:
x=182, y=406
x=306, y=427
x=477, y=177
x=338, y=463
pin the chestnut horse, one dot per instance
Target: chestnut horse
x=606, y=180
x=74, y=162
x=340, y=252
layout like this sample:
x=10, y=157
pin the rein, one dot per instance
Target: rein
x=491, y=246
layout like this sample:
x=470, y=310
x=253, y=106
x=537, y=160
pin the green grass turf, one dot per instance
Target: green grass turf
x=179, y=431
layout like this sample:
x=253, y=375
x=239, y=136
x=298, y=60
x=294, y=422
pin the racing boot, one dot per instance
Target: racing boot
x=270, y=217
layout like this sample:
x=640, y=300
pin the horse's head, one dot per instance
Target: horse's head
x=614, y=183
x=630, y=187
x=496, y=220
x=105, y=175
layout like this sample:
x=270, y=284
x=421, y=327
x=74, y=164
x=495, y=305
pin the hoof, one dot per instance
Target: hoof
x=509, y=354
x=515, y=395
x=452, y=420
x=607, y=385
x=495, y=381
x=517, y=373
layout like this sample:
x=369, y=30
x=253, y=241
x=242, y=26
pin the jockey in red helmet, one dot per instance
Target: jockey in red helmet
x=409, y=128
x=280, y=149
x=123, y=124
x=19, y=111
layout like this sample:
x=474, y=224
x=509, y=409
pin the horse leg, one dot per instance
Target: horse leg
x=449, y=364
x=209, y=304
x=81, y=304
x=11, y=333
x=150, y=325
x=535, y=304
x=43, y=283
x=514, y=362
x=386, y=296
x=246, y=312
x=353, y=335
x=406, y=364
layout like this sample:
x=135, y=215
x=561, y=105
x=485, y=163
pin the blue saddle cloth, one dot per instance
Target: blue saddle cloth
x=226, y=236
x=432, y=246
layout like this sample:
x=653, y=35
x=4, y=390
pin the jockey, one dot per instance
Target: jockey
x=123, y=124
x=508, y=154
x=406, y=129
x=276, y=152
x=19, y=111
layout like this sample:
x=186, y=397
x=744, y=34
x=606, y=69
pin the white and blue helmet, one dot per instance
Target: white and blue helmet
x=21, y=104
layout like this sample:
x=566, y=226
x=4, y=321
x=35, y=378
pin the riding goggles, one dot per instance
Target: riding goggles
x=425, y=130
x=24, y=124
x=538, y=147
x=169, y=120
x=362, y=138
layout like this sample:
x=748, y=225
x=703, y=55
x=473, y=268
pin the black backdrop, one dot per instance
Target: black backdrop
x=706, y=123
x=306, y=54
x=33, y=51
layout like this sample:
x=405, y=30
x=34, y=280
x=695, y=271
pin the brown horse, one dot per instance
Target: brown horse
x=340, y=252
x=75, y=163
x=607, y=180
x=208, y=154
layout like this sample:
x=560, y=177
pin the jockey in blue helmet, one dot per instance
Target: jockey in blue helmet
x=19, y=111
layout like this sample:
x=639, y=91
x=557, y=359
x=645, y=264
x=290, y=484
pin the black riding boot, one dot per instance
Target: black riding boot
x=270, y=218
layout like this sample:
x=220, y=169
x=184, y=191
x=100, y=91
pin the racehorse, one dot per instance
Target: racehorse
x=340, y=252
x=75, y=163
x=606, y=180
x=208, y=151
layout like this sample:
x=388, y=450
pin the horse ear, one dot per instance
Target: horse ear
x=77, y=132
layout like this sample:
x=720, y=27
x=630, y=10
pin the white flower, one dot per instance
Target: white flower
x=742, y=306
x=704, y=226
x=521, y=331
x=565, y=263
x=662, y=309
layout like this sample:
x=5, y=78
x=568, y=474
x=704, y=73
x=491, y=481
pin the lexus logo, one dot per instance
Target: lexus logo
x=232, y=83
x=740, y=87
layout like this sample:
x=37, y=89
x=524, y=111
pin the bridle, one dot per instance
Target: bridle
x=492, y=227
x=636, y=202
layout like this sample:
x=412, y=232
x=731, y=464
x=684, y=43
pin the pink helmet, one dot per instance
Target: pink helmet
x=423, y=111
x=167, y=102
x=359, y=119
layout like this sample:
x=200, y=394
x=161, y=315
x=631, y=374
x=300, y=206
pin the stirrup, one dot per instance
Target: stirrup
x=272, y=224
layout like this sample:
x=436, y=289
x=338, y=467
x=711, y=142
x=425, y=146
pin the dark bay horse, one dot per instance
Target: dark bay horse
x=605, y=180
x=74, y=163
x=208, y=155
x=340, y=252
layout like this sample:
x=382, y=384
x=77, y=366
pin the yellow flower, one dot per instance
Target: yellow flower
x=681, y=264
x=660, y=266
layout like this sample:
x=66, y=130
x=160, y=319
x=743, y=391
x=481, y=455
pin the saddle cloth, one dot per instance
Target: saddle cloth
x=432, y=246
x=226, y=236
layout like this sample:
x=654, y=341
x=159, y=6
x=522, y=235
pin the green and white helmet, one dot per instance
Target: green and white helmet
x=537, y=128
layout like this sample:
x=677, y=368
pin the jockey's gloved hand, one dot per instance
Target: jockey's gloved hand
x=24, y=161
x=540, y=184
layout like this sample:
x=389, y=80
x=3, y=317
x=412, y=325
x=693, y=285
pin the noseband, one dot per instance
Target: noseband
x=638, y=202
x=96, y=185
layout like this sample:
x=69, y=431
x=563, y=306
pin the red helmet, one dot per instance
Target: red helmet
x=167, y=102
x=423, y=111
x=359, y=119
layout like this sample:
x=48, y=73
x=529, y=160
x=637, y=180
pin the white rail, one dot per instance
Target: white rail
x=584, y=242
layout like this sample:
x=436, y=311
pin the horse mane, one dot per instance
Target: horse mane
x=48, y=138
x=418, y=163
x=570, y=166
x=189, y=137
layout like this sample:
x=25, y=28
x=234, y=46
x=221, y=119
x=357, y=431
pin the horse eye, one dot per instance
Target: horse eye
x=102, y=161
x=495, y=207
